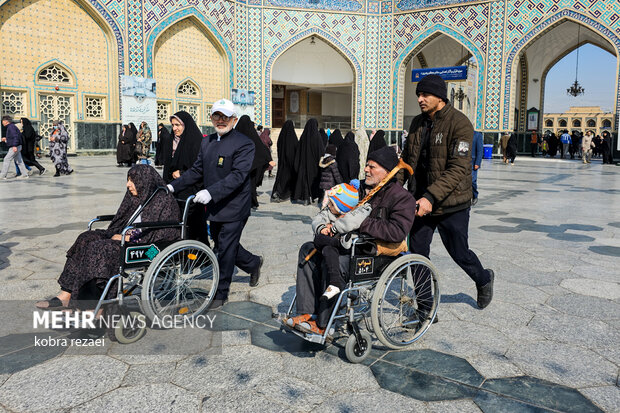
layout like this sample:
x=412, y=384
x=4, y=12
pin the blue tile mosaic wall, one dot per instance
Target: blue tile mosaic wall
x=377, y=37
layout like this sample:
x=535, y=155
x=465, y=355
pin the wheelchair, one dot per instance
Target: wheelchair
x=397, y=297
x=161, y=279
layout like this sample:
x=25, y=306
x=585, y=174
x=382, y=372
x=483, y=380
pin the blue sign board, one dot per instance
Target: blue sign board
x=446, y=73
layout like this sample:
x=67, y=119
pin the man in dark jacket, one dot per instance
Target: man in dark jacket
x=438, y=149
x=14, y=141
x=393, y=211
x=223, y=166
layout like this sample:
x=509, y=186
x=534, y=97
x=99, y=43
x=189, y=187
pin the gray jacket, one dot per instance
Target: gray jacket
x=347, y=223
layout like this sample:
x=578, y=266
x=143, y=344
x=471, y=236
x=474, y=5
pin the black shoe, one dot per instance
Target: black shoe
x=42, y=171
x=57, y=173
x=217, y=303
x=485, y=293
x=256, y=274
x=474, y=201
x=70, y=172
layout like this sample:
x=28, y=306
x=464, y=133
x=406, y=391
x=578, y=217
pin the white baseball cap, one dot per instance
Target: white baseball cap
x=223, y=106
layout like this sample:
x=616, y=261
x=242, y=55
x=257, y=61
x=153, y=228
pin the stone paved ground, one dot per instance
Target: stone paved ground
x=550, y=229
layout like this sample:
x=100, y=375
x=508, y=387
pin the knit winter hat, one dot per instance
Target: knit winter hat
x=386, y=157
x=434, y=85
x=345, y=196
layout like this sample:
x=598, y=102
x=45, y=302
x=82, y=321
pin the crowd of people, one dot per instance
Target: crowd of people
x=576, y=144
x=22, y=142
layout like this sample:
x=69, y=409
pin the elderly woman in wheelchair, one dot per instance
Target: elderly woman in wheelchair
x=400, y=288
x=94, y=257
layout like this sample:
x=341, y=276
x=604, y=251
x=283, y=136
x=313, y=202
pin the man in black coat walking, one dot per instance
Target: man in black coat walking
x=223, y=166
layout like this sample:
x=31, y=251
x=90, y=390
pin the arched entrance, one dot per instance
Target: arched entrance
x=191, y=70
x=311, y=79
x=523, y=79
x=537, y=58
x=70, y=71
x=437, y=48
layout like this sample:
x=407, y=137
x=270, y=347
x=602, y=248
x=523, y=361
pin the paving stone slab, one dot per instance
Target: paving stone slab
x=237, y=369
x=436, y=363
x=492, y=367
x=418, y=385
x=586, y=306
x=234, y=402
x=89, y=377
x=491, y=403
x=568, y=329
x=546, y=360
x=141, y=374
x=361, y=402
x=453, y=406
x=595, y=288
x=330, y=372
x=541, y=393
x=153, y=397
x=236, y=338
x=605, y=397
x=289, y=391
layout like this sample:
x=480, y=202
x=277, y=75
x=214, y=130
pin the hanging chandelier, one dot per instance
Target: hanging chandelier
x=460, y=95
x=575, y=89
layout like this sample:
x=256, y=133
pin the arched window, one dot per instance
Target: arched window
x=187, y=88
x=549, y=123
x=576, y=123
x=606, y=123
x=54, y=74
x=591, y=123
x=562, y=123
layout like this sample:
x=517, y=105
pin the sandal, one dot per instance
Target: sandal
x=52, y=304
x=293, y=321
x=309, y=327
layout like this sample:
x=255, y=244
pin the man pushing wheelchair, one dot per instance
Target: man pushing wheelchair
x=385, y=213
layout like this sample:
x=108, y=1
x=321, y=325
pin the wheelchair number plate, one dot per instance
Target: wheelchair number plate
x=364, y=265
x=142, y=253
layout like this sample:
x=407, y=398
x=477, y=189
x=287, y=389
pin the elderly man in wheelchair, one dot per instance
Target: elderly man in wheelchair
x=402, y=287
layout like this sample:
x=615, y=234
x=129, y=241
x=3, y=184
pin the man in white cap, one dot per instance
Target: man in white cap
x=223, y=165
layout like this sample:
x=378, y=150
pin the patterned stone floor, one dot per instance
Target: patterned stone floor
x=548, y=342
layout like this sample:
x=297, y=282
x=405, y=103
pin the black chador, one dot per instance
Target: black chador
x=262, y=155
x=285, y=176
x=307, y=159
x=348, y=158
x=181, y=159
x=336, y=138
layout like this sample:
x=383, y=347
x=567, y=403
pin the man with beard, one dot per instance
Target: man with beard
x=438, y=149
x=223, y=166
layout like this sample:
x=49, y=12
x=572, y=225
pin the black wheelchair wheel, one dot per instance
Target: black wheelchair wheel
x=355, y=351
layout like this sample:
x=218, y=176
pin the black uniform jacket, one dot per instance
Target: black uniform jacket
x=223, y=166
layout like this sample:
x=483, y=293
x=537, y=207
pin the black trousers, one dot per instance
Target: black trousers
x=31, y=160
x=453, y=229
x=230, y=253
x=331, y=249
x=197, y=223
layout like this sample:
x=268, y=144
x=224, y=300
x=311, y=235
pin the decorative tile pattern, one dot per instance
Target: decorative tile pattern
x=414, y=47
x=335, y=5
x=384, y=81
x=134, y=29
x=241, y=53
x=371, y=72
x=491, y=106
x=255, y=60
x=174, y=18
x=116, y=9
x=181, y=71
x=282, y=29
x=405, y=5
x=220, y=13
x=535, y=22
